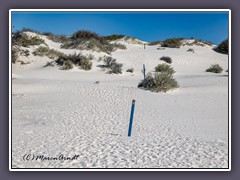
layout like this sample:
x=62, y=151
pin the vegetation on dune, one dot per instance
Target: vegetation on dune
x=172, y=43
x=87, y=40
x=222, y=47
x=79, y=60
x=161, y=81
x=46, y=51
x=190, y=50
x=164, y=68
x=130, y=70
x=155, y=43
x=21, y=39
x=215, y=68
x=166, y=59
x=113, y=37
x=111, y=64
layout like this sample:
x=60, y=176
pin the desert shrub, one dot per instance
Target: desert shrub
x=15, y=54
x=160, y=82
x=83, y=34
x=155, y=43
x=67, y=65
x=21, y=39
x=164, y=82
x=86, y=64
x=108, y=61
x=118, y=46
x=51, y=64
x=41, y=51
x=166, y=59
x=46, y=51
x=172, y=43
x=164, y=68
x=115, y=68
x=79, y=60
x=130, y=70
x=25, y=52
x=190, y=50
x=222, y=47
x=57, y=38
x=113, y=37
x=215, y=68
x=90, y=56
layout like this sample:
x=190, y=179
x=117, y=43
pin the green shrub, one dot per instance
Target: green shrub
x=15, y=54
x=164, y=68
x=172, y=43
x=190, y=50
x=108, y=61
x=67, y=65
x=118, y=46
x=114, y=37
x=115, y=68
x=160, y=82
x=57, y=38
x=215, y=68
x=155, y=43
x=46, y=51
x=86, y=64
x=166, y=59
x=79, y=60
x=130, y=70
x=164, y=82
x=21, y=39
x=222, y=47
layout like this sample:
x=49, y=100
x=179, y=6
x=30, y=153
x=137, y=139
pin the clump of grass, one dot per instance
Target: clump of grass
x=111, y=64
x=21, y=39
x=113, y=37
x=130, y=70
x=15, y=54
x=116, y=68
x=215, y=68
x=67, y=65
x=46, y=51
x=162, y=81
x=172, y=43
x=190, y=50
x=78, y=60
x=164, y=68
x=166, y=59
x=222, y=47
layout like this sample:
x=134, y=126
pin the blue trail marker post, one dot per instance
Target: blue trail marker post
x=131, y=118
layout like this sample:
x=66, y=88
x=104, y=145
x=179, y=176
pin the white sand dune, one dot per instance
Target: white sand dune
x=65, y=112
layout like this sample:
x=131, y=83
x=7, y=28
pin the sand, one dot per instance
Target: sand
x=65, y=112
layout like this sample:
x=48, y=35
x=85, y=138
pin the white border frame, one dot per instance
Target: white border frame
x=119, y=10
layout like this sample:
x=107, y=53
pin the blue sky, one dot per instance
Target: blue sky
x=147, y=26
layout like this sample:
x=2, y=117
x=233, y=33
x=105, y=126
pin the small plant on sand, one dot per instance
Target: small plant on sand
x=67, y=65
x=164, y=68
x=166, y=59
x=159, y=82
x=215, y=68
x=172, y=43
x=108, y=61
x=115, y=68
x=130, y=70
x=15, y=54
x=190, y=50
x=21, y=39
x=222, y=47
x=46, y=51
x=78, y=60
